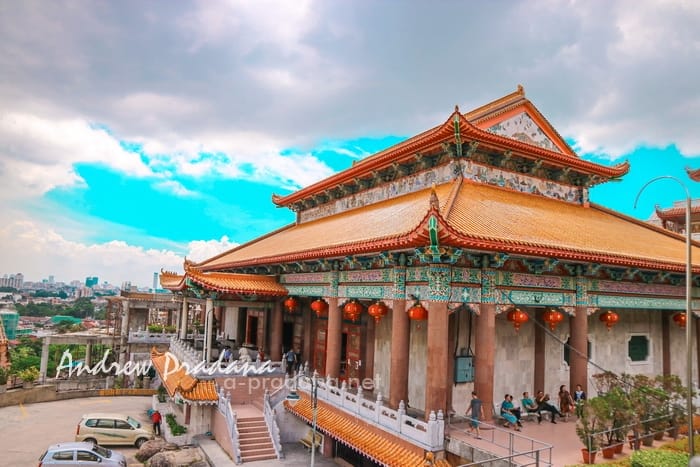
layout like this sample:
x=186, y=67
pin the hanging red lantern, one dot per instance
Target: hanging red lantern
x=680, y=318
x=320, y=307
x=552, y=318
x=352, y=310
x=377, y=310
x=291, y=304
x=610, y=318
x=517, y=317
x=418, y=312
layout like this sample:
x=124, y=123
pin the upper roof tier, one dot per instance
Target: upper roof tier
x=507, y=129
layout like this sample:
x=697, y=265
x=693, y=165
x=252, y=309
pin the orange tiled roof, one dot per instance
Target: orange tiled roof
x=476, y=216
x=676, y=212
x=190, y=388
x=224, y=282
x=384, y=224
x=469, y=129
x=491, y=218
x=693, y=174
x=380, y=448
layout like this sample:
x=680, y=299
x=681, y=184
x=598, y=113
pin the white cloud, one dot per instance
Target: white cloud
x=38, y=251
x=199, y=250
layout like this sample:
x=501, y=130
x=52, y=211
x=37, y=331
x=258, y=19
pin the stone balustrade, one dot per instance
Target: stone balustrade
x=147, y=337
x=429, y=435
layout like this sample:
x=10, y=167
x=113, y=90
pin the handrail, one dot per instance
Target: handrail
x=540, y=452
x=224, y=407
x=272, y=426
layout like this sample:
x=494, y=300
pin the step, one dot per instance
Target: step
x=261, y=445
x=259, y=456
x=250, y=432
x=254, y=440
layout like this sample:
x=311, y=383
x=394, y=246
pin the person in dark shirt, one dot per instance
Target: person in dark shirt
x=476, y=410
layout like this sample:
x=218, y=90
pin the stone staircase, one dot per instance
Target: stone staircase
x=254, y=439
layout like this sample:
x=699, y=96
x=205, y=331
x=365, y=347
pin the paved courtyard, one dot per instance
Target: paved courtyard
x=27, y=430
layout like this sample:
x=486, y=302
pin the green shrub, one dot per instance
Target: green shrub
x=175, y=428
x=29, y=375
x=659, y=457
x=681, y=444
x=155, y=328
x=4, y=374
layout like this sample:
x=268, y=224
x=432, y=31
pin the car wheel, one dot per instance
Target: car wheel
x=91, y=440
x=140, y=442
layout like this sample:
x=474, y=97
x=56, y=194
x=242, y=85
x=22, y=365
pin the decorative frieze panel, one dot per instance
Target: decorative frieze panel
x=488, y=282
x=465, y=295
x=308, y=290
x=305, y=278
x=402, y=186
x=365, y=291
x=418, y=274
x=370, y=275
x=439, y=283
x=467, y=275
x=616, y=301
x=636, y=288
x=528, y=297
x=514, y=279
x=523, y=183
x=399, y=291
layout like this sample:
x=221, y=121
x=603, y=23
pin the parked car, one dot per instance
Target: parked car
x=112, y=428
x=81, y=454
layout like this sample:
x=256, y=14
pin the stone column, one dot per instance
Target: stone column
x=88, y=354
x=307, y=350
x=695, y=320
x=540, y=353
x=484, y=355
x=665, y=343
x=436, y=374
x=277, y=331
x=578, y=353
x=44, y=363
x=209, y=328
x=334, y=338
x=183, y=318
x=400, y=345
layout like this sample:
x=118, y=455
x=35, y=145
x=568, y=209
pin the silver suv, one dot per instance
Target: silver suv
x=81, y=454
x=112, y=428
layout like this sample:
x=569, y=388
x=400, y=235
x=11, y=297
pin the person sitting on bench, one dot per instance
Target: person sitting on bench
x=542, y=400
x=530, y=406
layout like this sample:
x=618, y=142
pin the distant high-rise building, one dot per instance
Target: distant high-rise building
x=155, y=281
x=51, y=280
x=91, y=281
x=15, y=280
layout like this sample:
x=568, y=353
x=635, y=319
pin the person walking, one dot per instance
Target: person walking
x=156, y=418
x=476, y=410
x=291, y=359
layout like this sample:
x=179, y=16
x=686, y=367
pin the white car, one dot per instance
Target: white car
x=81, y=454
x=112, y=428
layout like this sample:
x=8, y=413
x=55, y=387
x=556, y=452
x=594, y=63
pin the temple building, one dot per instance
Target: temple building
x=467, y=257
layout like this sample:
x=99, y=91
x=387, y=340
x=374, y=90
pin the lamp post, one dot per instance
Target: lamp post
x=314, y=411
x=688, y=297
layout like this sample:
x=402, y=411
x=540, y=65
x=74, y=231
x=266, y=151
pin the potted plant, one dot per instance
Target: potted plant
x=4, y=374
x=162, y=394
x=675, y=402
x=28, y=376
x=587, y=428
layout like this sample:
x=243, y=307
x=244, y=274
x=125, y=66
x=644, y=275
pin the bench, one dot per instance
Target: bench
x=497, y=417
x=307, y=440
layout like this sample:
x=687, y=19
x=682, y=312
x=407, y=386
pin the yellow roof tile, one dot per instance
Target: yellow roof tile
x=189, y=387
x=513, y=221
x=382, y=447
x=344, y=233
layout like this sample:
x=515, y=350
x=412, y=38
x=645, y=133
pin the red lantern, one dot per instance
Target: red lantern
x=610, y=318
x=552, y=318
x=517, y=317
x=291, y=304
x=680, y=318
x=352, y=310
x=377, y=310
x=320, y=307
x=418, y=312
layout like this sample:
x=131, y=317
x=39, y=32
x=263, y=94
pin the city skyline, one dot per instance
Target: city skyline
x=134, y=135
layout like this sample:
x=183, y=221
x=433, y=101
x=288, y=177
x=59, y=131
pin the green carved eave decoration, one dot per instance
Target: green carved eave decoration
x=538, y=266
x=498, y=260
x=458, y=135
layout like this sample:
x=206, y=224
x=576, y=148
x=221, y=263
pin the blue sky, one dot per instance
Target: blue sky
x=133, y=135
